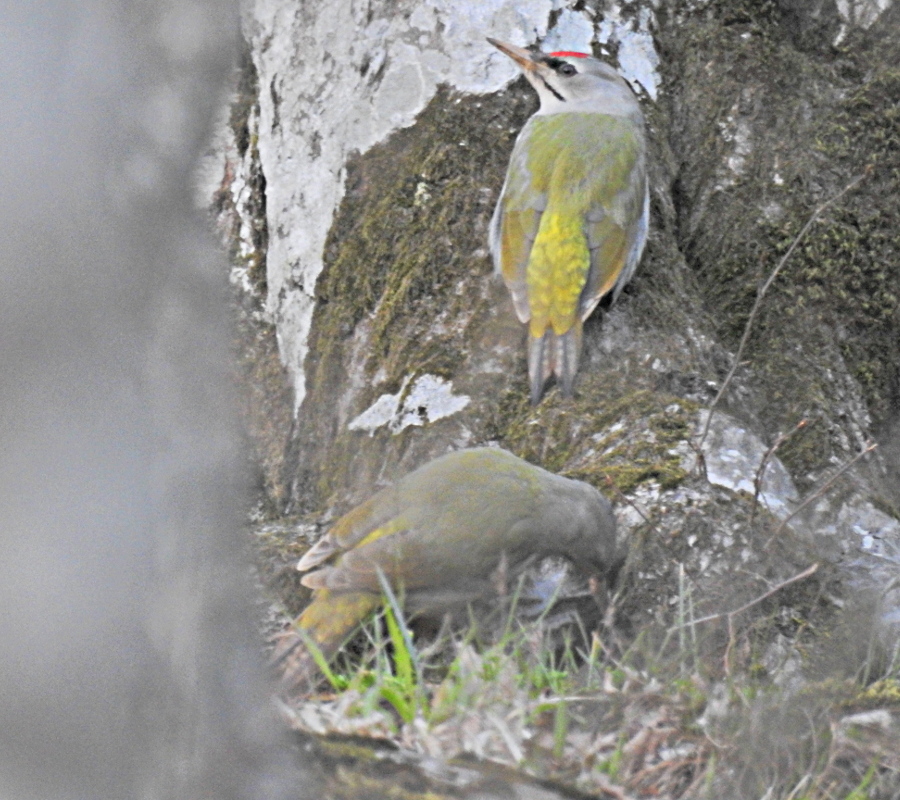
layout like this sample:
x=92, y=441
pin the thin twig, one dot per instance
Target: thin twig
x=764, y=463
x=613, y=791
x=870, y=446
x=777, y=588
x=726, y=658
x=762, y=292
x=730, y=615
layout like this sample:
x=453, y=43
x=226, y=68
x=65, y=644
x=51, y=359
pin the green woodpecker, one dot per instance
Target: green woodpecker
x=441, y=536
x=571, y=222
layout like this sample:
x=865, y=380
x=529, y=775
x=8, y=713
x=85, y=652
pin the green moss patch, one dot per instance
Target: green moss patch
x=768, y=133
x=613, y=440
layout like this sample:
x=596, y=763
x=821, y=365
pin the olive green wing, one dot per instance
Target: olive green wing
x=365, y=520
x=516, y=220
x=616, y=220
x=457, y=518
x=444, y=560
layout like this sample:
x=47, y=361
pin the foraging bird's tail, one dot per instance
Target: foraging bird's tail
x=328, y=621
x=554, y=354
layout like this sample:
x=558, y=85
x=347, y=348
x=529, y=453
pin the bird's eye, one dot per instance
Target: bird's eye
x=567, y=69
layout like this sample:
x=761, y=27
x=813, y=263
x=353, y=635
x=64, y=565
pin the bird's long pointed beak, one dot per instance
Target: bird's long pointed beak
x=524, y=58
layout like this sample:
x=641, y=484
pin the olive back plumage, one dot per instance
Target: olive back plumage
x=571, y=221
x=491, y=500
x=440, y=534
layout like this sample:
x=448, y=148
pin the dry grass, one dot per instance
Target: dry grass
x=659, y=719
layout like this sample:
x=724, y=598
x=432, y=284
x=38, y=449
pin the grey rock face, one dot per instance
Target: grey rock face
x=400, y=346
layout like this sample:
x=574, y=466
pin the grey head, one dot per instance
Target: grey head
x=578, y=524
x=567, y=82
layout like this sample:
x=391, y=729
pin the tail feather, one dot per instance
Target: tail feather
x=554, y=355
x=569, y=357
x=539, y=368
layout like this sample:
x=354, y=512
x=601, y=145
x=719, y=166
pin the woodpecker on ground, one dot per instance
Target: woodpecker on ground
x=440, y=536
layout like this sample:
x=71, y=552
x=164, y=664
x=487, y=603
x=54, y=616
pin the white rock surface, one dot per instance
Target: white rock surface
x=853, y=521
x=431, y=398
x=859, y=13
x=638, y=59
x=733, y=458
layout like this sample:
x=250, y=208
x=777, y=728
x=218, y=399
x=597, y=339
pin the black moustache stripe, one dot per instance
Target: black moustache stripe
x=553, y=91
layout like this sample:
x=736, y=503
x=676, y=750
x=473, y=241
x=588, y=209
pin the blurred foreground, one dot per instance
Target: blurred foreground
x=129, y=667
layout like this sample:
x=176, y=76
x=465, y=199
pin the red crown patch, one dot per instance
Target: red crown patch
x=569, y=53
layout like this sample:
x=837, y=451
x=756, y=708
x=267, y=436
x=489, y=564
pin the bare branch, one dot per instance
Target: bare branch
x=764, y=463
x=870, y=446
x=761, y=293
x=777, y=588
x=730, y=615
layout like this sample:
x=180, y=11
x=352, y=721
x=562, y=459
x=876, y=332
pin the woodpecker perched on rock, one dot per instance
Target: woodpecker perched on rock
x=571, y=221
x=439, y=536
